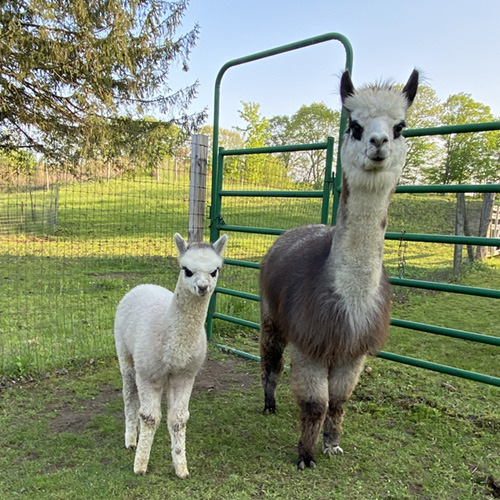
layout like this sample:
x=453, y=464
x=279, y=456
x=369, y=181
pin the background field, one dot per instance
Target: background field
x=409, y=433
x=60, y=284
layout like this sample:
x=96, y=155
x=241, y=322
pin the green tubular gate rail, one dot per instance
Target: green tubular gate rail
x=332, y=183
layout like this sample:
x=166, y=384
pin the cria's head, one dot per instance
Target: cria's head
x=200, y=264
x=373, y=143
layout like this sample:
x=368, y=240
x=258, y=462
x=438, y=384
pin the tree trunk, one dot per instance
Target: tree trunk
x=459, y=231
x=470, y=248
x=484, y=222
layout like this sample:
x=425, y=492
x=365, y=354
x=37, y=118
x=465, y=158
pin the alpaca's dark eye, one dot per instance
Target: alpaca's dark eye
x=398, y=129
x=356, y=130
x=187, y=272
x=214, y=274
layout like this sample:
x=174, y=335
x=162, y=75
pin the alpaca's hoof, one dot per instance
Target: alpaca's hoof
x=182, y=473
x=130, y=446
x=140, y=466
x=269, y=409
x=303, y=462
x=332, y=449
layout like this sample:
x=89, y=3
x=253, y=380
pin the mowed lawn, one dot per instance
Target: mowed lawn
x=409, y=433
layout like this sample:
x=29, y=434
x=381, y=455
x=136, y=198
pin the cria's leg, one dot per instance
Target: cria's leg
x=272, y=345
x=308, y=380
x=149, y=418
x=342, y=380
x=178, y=394
x=131, y=407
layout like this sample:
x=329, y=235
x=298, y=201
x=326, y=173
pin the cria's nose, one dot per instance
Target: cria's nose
x=202, y=288
x=378, y=140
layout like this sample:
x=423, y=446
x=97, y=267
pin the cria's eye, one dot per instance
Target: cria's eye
x=398, y=129
x=214, y=274
x=356, y=130
x=187, y=272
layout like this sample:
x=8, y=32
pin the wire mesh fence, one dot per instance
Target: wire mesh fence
x=29, y=210
x=68, y=255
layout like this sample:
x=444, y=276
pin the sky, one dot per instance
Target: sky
x=454, y=43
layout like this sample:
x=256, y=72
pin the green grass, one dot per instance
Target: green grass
x=407, y=435
x=59, y=289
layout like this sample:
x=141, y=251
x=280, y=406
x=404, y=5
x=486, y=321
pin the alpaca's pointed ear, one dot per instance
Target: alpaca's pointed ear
x=180, y=243
x=220, y=244
x=346, y=86
x=410, y=89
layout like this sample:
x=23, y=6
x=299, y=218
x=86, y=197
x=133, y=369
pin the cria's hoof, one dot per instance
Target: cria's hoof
x=183, y=476
x=330, y=450
x=269, y=409
x=302, y=463
x=140, y=472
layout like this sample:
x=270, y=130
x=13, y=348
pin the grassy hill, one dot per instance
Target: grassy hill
x=408, y=433
x=60, y=290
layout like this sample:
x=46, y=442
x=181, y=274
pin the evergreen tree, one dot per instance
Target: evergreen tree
x=70, y=68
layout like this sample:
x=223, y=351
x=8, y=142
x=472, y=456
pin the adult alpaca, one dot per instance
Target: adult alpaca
x=323, y=289
x=161, y=345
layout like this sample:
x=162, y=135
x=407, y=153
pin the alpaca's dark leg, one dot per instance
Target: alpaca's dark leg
x=309, y=384
x=272, y=345
x=342, y=380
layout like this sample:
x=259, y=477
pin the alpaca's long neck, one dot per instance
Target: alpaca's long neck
x=187, y=312
x=358, y=243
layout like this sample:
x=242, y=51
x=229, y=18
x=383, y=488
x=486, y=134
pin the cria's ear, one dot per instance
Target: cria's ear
x=410, y=89
x=180, y=243
x=346, y=86
x=220, y=244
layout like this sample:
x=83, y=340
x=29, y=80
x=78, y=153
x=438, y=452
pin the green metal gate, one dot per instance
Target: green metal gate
x=333, y=183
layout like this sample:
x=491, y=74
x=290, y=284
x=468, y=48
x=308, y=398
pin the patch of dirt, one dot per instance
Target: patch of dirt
x=222, y=376
x=217, y=376
x=70, y=421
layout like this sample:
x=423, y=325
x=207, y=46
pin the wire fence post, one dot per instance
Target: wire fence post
x=197, y=186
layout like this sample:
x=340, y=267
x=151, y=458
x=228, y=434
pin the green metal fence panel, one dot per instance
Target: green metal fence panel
x=218, y=153
x=333, y=184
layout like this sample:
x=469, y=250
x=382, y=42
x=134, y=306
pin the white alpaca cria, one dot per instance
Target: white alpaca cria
x=323, y=289
x=161, y=345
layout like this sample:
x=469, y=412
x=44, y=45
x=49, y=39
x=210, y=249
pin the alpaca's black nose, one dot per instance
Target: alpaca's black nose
x=378, y=140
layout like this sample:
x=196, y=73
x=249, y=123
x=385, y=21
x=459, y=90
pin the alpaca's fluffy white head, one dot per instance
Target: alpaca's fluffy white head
x=373, y=149
x=200, y=264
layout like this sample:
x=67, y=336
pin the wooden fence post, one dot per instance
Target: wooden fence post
x=459, y=231
x=484, y=222
x=197, y=186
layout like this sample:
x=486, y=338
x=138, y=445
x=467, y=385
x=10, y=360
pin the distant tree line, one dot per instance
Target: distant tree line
x=82, y=85
x=449, y=159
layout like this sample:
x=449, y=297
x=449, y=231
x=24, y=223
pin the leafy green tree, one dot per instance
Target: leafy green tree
x=255, y=135
x=280, y=129
x=16, y=164
x=153, y=142
x=310, y=124
x=228, y=139
x=423, y=152
x=468, y=157
x=68, y=68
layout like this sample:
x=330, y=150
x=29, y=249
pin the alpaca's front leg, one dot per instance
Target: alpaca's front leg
x=178, y=394
x=149, y=418
x=342, y=380
x=272, y=345
x=131, y=407
x=308, y=380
